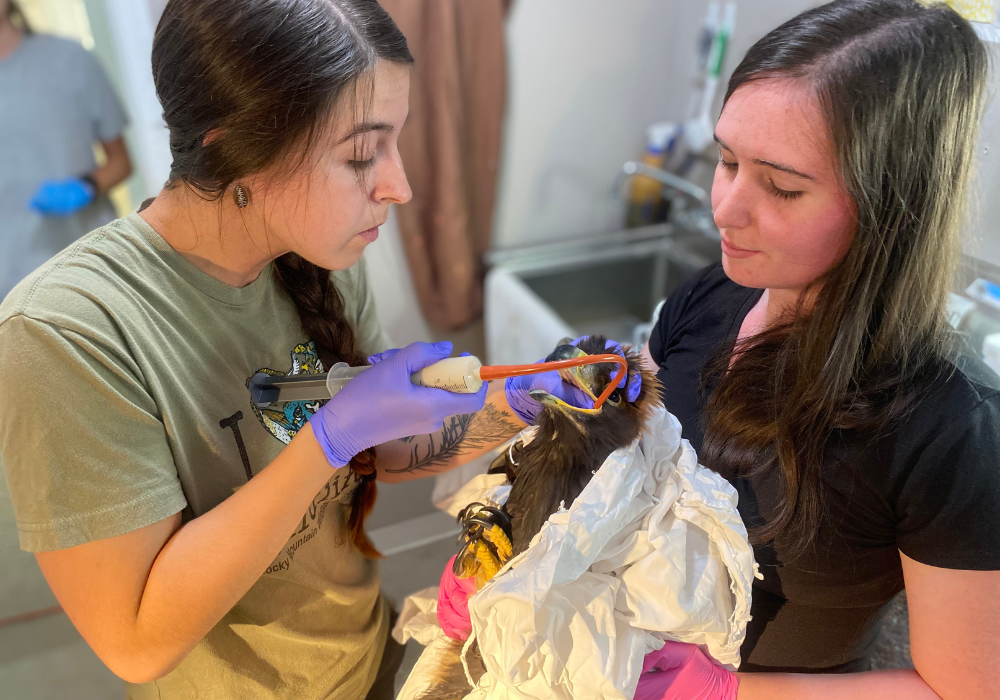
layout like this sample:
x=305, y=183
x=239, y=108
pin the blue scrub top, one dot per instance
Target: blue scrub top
x=55, y=104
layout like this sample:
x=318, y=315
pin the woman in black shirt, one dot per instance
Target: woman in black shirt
x=815, y=370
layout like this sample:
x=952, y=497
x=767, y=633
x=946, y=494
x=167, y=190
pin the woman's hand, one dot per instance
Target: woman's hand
x=682, y=672
x=68, y=196
x=381, y=404
x=527, y=409
x=62, y=197
x=453, y=603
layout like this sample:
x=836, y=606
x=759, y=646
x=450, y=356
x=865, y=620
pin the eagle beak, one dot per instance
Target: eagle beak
x=571, y=375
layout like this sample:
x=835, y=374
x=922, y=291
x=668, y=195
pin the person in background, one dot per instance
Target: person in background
x=56, y=104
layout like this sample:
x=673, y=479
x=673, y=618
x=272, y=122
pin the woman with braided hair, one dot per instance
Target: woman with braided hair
x=203, y=546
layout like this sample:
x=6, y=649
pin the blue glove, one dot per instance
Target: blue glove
x=527, y=409
x=62, y=197
x=381, y=404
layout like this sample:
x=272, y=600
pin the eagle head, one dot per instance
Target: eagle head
x=549, y=470
x=619, y=419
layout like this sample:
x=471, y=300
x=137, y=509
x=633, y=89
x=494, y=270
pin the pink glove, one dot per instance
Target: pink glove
x=453, y=603
x=682, y=672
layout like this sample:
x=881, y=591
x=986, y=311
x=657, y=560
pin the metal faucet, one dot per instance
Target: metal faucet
x=668, y=180
x=698, y=218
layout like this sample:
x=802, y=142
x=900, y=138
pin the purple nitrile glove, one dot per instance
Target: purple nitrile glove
x=634, y=380
x=62, y=197
x=379, y=356
x=382, y=404
x=527, y=409
x=682, y=672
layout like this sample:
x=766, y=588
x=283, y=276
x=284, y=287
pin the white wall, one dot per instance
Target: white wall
x=392, y=287
x=586, y=78
x=131, y=27
x=983, y=234
x=156, y=9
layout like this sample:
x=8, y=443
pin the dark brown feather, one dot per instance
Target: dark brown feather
x=452, y=684
x=569, y=447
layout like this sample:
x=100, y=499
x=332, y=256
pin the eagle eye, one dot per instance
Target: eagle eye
x=615, y=398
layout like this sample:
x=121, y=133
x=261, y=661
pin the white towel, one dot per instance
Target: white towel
x=652, y=549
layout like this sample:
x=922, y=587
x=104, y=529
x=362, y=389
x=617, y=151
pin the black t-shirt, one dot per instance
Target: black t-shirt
x=929, y=488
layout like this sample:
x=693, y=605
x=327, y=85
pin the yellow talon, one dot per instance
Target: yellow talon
x=486, y=547
x=488, y=565
x=467, y=563
x=499, y=539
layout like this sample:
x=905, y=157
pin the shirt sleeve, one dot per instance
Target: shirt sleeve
x=81, y=440
x=104, y=108
x=947, y=509
x=359, y=307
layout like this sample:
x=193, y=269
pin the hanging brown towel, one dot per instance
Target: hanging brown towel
x=450, y=147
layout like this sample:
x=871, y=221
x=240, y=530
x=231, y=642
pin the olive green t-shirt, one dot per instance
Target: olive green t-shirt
x=124, y=371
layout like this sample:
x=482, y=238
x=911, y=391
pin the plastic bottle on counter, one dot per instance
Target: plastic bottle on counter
x=646, y=204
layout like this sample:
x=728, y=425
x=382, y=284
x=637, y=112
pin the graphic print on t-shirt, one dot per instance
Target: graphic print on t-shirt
x=283, y=421
x=288, y=418
x=337, y=489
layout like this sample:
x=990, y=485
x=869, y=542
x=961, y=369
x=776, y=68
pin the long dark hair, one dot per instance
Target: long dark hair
x=16, y=15
x=262, y=76
x=901, y=87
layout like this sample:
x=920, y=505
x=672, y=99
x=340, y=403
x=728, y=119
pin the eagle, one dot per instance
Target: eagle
x=547, y=472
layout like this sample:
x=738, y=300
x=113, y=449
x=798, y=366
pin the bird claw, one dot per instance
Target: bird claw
x=485, y=543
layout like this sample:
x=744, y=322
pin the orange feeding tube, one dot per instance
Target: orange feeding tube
x=488, y=373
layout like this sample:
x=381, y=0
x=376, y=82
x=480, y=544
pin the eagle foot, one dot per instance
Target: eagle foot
x=485, y=542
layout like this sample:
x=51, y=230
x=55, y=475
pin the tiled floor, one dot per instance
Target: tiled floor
x=46, y=659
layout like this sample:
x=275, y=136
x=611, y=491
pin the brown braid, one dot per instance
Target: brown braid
x=321, y=309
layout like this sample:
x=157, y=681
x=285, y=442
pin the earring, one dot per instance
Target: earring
x=241, y=196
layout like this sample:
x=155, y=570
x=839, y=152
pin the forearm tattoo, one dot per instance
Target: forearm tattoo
x=460, y=435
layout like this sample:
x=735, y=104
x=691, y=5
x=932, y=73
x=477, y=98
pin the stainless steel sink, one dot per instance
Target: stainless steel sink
x=609, y=284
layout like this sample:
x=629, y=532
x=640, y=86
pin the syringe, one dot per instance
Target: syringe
x=463, y=375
